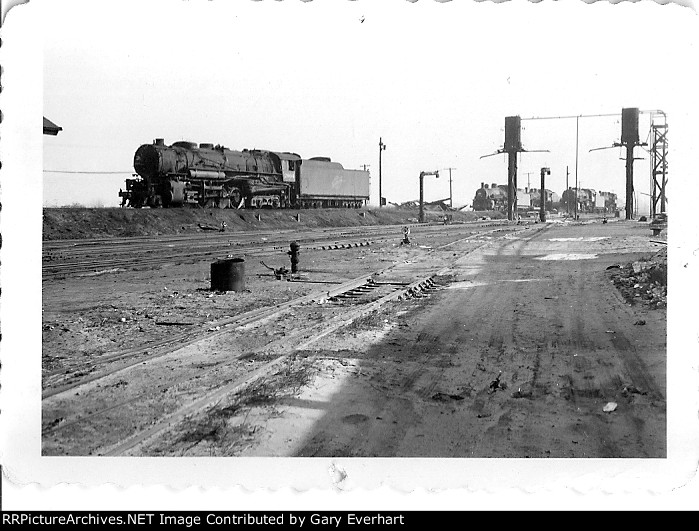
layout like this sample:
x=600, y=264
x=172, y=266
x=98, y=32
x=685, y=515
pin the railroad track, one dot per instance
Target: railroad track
x=90, y=257
x=349, y=301
x=382, y=293
x=58, y=381
x=239, y=384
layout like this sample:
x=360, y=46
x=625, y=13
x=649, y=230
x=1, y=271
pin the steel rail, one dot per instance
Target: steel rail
x=156, y=255
x=259, y=315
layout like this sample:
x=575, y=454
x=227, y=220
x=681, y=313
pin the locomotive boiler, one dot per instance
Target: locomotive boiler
x=205, y=175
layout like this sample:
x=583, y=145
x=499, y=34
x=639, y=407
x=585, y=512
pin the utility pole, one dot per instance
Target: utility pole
x=529, y=185
x=382, y=146
x=567, y=193
x=577, y=136
x=451, y=198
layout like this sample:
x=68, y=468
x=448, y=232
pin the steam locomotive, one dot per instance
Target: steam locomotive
x=494, y=197
x=205, y=175
x=490, y=198
x=590, y=201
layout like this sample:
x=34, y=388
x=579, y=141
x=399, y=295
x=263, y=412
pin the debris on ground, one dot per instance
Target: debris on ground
x=644, y=281
x=609, y=407
x=632, y=390
x=208, y=227
x=444, y=397
x=496, y=384
x=279, y=273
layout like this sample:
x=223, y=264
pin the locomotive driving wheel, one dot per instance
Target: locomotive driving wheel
x=233, y=196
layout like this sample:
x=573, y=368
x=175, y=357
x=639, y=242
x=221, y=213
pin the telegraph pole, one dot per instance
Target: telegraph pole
x=529, y=185
x=567, y=193
x=451, y=198
x=577, y=136
x=382, y=147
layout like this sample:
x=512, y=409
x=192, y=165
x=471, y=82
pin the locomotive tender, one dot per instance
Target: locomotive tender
x=205, y=175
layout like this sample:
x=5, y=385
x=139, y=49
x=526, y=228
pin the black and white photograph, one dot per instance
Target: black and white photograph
x=350, y=245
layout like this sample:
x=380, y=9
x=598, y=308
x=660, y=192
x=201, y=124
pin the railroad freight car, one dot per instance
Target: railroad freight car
x=205, y=175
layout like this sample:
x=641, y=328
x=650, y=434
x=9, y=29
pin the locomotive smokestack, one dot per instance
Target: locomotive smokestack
x=159, y=142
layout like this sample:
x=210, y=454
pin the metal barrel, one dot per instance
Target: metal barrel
x=228, y=274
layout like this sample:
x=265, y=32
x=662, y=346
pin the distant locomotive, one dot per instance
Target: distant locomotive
x=584, y=197
x=606, y=202
x=589, y=201
x=490, y=198
x=217, y=177
x=494, y=197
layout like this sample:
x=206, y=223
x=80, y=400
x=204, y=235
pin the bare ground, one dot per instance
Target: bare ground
x=514, y=357
x=516, y=353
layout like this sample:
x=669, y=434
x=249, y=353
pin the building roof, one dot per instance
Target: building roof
x=51, y=128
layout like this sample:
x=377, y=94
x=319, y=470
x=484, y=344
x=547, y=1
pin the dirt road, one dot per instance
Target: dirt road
x=525, y=348
x=517, y=356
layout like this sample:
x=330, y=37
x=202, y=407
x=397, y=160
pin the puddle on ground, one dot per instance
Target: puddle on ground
x=567, y=256
x=466, y=284
x=580, y=239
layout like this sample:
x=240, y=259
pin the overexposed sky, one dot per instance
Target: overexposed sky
x=329, y=77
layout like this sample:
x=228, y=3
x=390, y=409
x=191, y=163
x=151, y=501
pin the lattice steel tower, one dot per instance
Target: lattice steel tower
x=658, y=162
